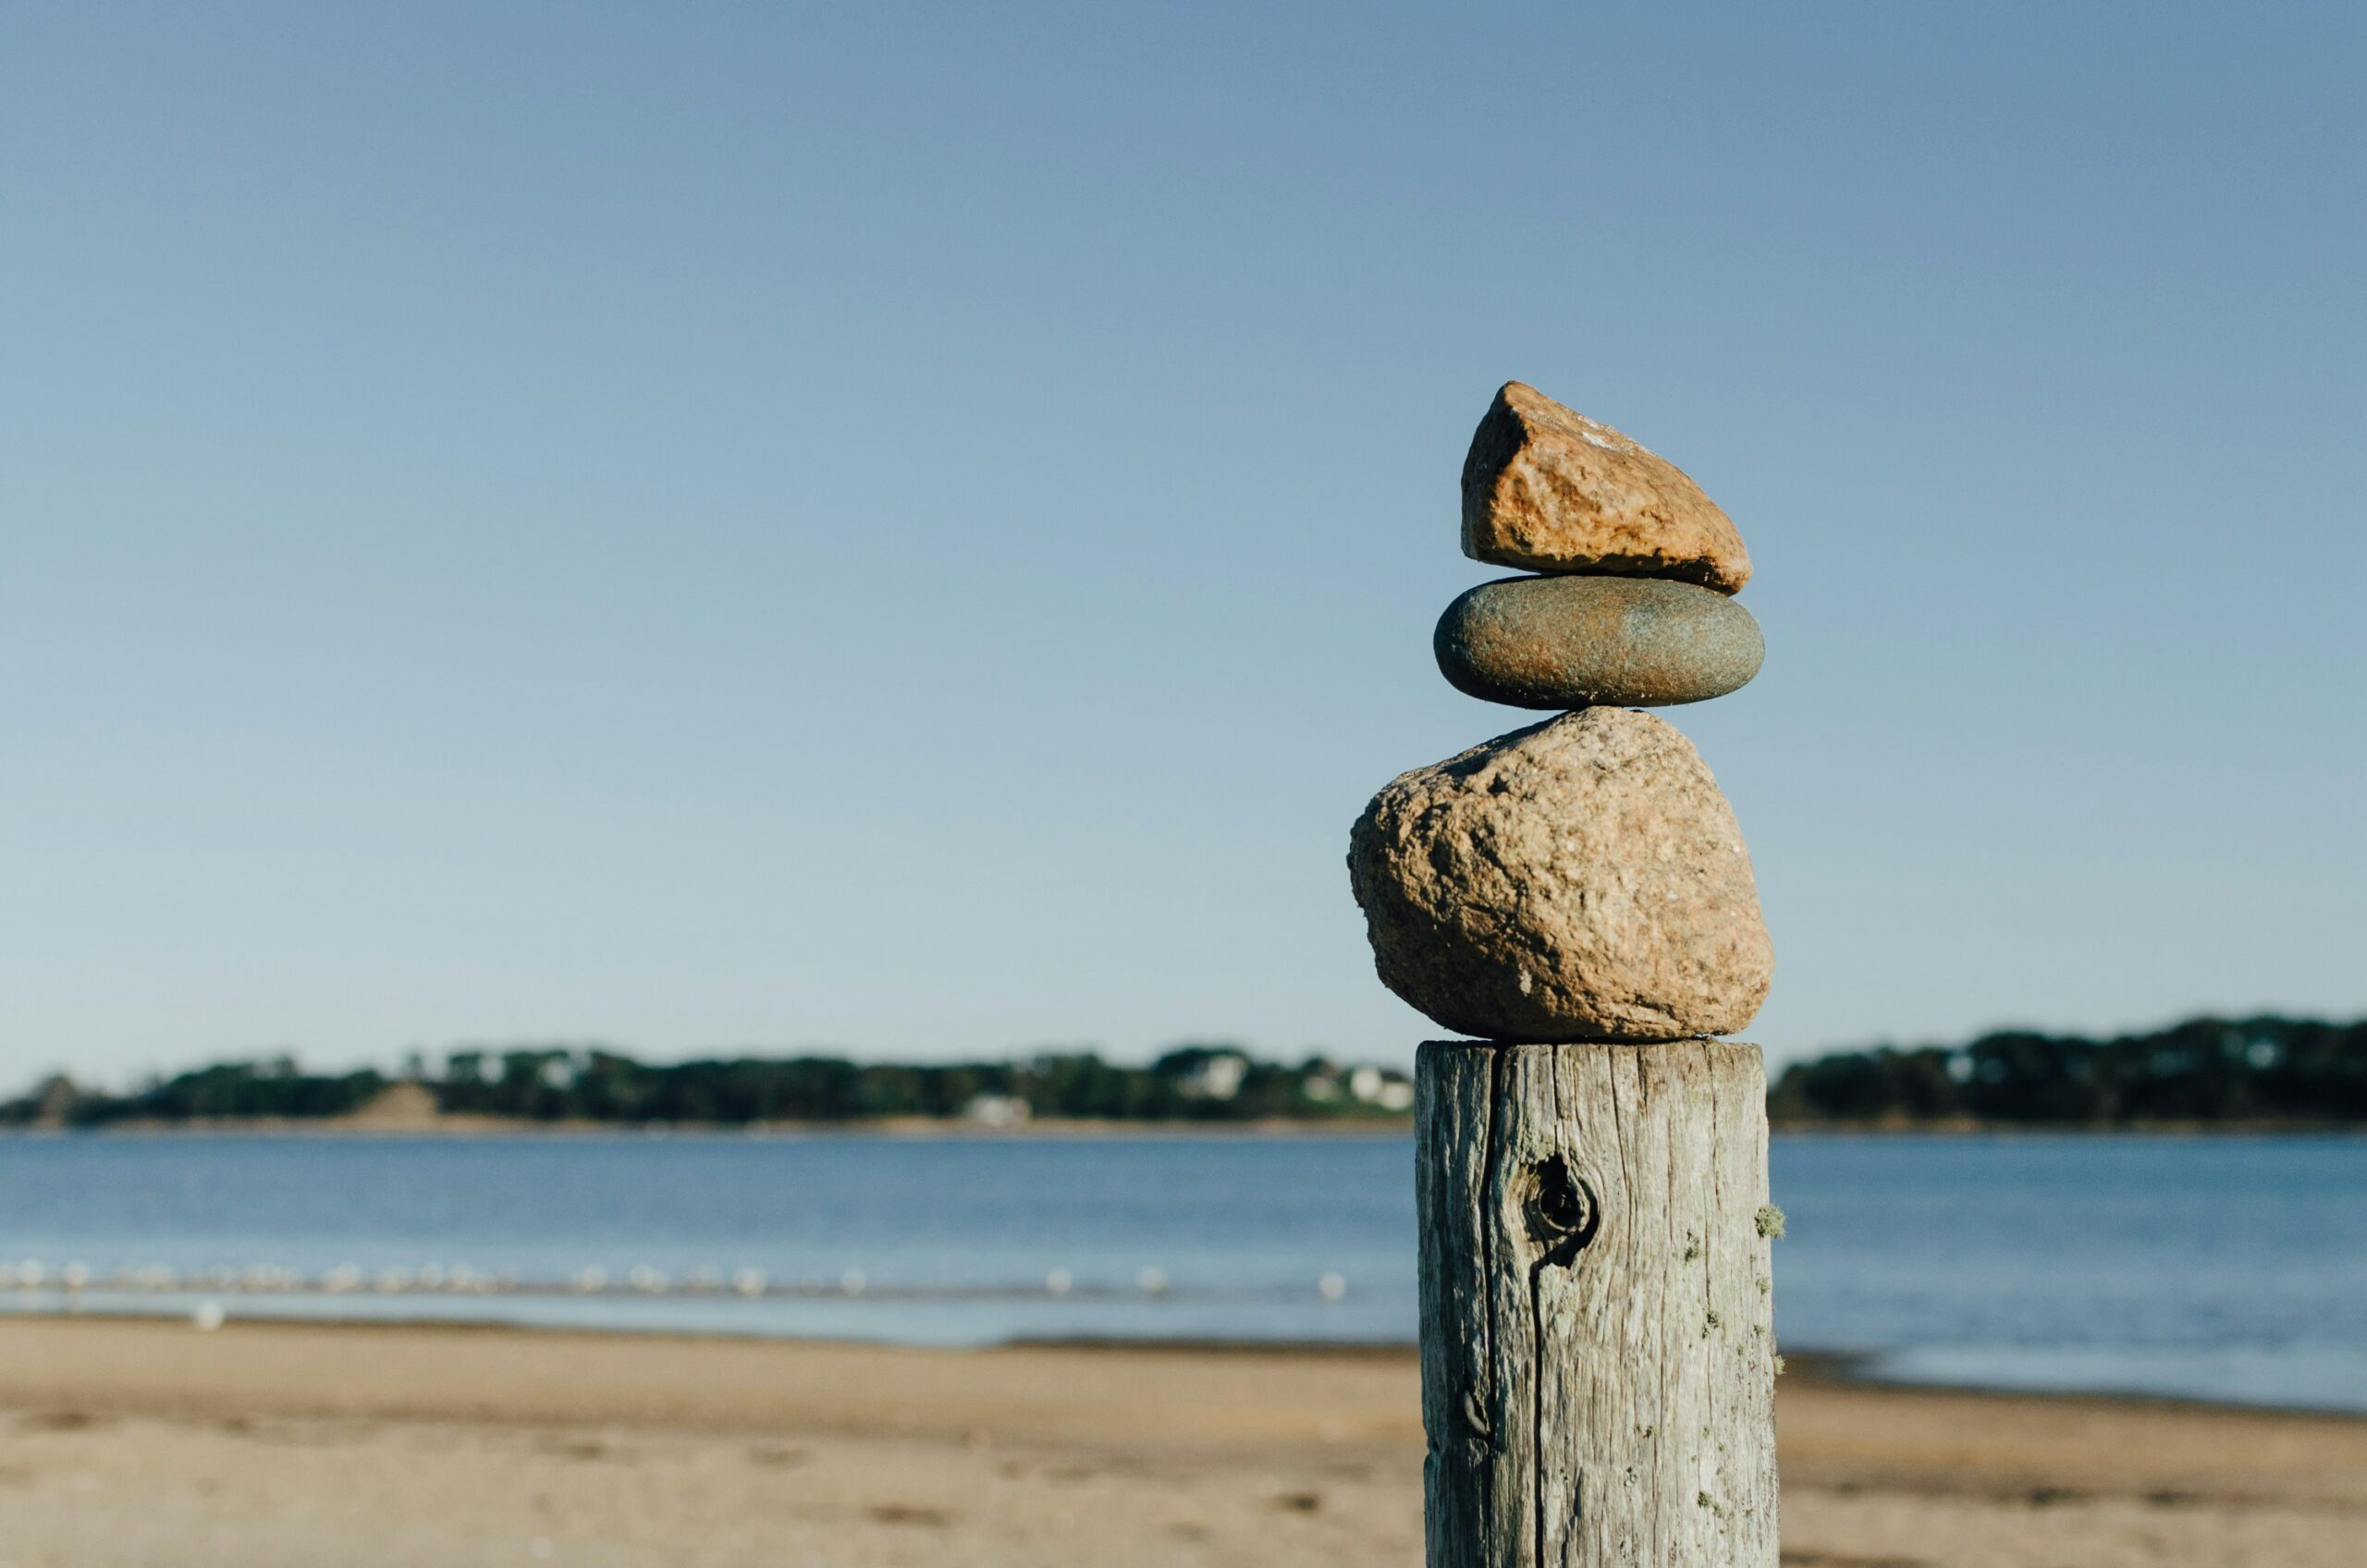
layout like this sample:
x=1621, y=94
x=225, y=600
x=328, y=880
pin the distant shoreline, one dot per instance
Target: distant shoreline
x=915, y=1127
x=2255, y=1076
x=1052, y=1128
x=1958, y=1129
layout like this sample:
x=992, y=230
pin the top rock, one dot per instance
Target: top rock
x=1547, y=489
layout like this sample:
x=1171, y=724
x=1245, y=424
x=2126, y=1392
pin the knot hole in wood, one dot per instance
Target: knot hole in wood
x=1562, y=1213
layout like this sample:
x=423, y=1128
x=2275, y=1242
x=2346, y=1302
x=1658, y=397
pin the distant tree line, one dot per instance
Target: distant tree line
x=2251, y=1070
x=2258, y=1070
x=563, y=1082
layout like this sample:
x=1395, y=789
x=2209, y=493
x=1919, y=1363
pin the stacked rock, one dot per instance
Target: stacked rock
x=1581, y=879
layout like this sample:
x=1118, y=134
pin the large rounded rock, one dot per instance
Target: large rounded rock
x=1576, y=641
x=1582, y=879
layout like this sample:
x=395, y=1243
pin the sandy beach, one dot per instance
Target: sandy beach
x=263, y=1445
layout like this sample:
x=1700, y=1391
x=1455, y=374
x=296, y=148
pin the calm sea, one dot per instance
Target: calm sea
x=2231, y=1268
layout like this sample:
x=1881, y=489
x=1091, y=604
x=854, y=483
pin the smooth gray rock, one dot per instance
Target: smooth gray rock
x=1582, y=879
x=1576, y=641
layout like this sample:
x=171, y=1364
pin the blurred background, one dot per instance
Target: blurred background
x=727, y=654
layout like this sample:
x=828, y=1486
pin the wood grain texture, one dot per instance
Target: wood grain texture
x=1597, y=1343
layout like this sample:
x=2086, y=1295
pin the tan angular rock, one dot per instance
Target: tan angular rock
x=1582, y=879
x=1547, y=489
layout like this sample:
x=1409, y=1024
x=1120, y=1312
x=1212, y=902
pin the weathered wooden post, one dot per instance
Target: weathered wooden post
x=1598, y=1347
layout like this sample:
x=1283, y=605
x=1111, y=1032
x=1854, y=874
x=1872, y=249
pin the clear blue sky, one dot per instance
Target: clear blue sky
x=916, y=531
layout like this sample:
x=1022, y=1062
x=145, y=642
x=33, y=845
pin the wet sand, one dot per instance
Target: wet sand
x=276, y=1446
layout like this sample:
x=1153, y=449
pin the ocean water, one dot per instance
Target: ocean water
x=2228, y=1269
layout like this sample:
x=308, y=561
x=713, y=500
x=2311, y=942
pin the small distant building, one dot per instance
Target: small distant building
x=1378, y=1086
x=1321, y=1087
x=997, y=1110
x=1205, y=1072
x=1216, y=1077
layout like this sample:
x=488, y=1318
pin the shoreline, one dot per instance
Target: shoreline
x=2250, y=1129
x=1834, y=1370
x=919, y=1128
x=915, y=1127
x=1809, y=1369
x=148, y=1444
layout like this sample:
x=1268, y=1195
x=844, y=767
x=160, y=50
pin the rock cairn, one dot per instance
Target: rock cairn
x=1582, y=878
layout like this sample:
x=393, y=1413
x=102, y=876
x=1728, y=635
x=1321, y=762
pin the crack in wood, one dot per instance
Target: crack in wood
x=1609, y=1195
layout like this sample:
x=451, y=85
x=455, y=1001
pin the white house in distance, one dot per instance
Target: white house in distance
x=1372, y=1085
x=1366, y=1084
x=1216, y=1077
x=997, y=1110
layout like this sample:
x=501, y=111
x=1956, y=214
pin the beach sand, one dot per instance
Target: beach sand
x=284, y=1445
